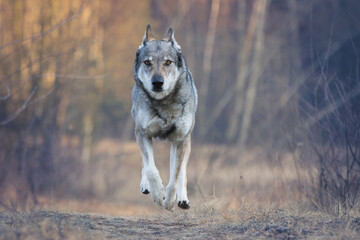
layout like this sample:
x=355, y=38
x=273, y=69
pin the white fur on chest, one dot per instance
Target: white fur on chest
x=154, y=124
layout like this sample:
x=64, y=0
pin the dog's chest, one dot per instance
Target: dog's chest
x=169, y=113
x=163, y=120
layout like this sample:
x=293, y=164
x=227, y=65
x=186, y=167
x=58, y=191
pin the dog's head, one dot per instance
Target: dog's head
x=158, y=64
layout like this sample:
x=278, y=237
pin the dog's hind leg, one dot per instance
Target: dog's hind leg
x=155, y=186
x=178, y=153
x=181, y=195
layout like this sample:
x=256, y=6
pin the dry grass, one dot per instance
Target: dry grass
x=246, y=223
x=215, y=173
x=233, y=195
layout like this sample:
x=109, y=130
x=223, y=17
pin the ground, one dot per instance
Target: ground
x=204, y=224
x=246, y=195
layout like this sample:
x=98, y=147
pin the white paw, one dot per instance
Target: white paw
x=169, y=203
x=184, y=204
x=144, y=190
x=158, y=196
x=144, y=185
x=170, y=198
x=157, y=191
x=181, y=196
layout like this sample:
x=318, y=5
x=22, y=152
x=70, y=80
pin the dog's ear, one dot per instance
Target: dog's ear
x=148, y=37
x=170, y=38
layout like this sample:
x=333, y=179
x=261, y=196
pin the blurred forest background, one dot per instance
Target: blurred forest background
x=279, y=101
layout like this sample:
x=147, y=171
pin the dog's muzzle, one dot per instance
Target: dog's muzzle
x=157, y=82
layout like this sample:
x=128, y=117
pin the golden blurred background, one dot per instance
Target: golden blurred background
x=278, y=120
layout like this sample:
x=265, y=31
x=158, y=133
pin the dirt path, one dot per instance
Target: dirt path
x=277, y=224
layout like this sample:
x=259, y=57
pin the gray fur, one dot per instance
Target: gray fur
x=167, y=114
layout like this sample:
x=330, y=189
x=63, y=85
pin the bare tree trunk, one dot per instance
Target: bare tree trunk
x=293, y=22
x=243, y=59
x=94, y=54
x=209, y=46
x=257, y=65
x=228, y=95
x=88, y=125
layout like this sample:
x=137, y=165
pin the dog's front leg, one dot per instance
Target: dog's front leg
x=181, y=195
x=156, y=187
x=178, y=152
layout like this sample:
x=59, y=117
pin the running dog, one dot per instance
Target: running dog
x=164, y=104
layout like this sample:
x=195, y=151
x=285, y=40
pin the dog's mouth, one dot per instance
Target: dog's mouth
x=157, y=90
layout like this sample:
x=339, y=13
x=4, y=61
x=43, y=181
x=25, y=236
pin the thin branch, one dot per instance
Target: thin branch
x=50, y=30
x=229, y=95
x=41, y=60
x=7, y=208
x=8, y=94
x=286, y=96
x=330, y=109
x=76, y=76
x=57, y=76
x=353, y=153
x=43, y=96
x=22, y=108
x=65, y=76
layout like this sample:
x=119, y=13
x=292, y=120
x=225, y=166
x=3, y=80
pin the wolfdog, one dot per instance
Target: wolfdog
x=164, y=104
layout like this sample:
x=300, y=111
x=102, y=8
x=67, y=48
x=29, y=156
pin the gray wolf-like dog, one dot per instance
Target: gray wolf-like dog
x=164, y=105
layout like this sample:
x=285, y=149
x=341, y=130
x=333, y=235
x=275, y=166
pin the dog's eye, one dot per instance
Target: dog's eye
x=168, y=62
x=147, y=63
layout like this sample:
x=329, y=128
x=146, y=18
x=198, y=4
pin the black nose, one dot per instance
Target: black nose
x=157, y=82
